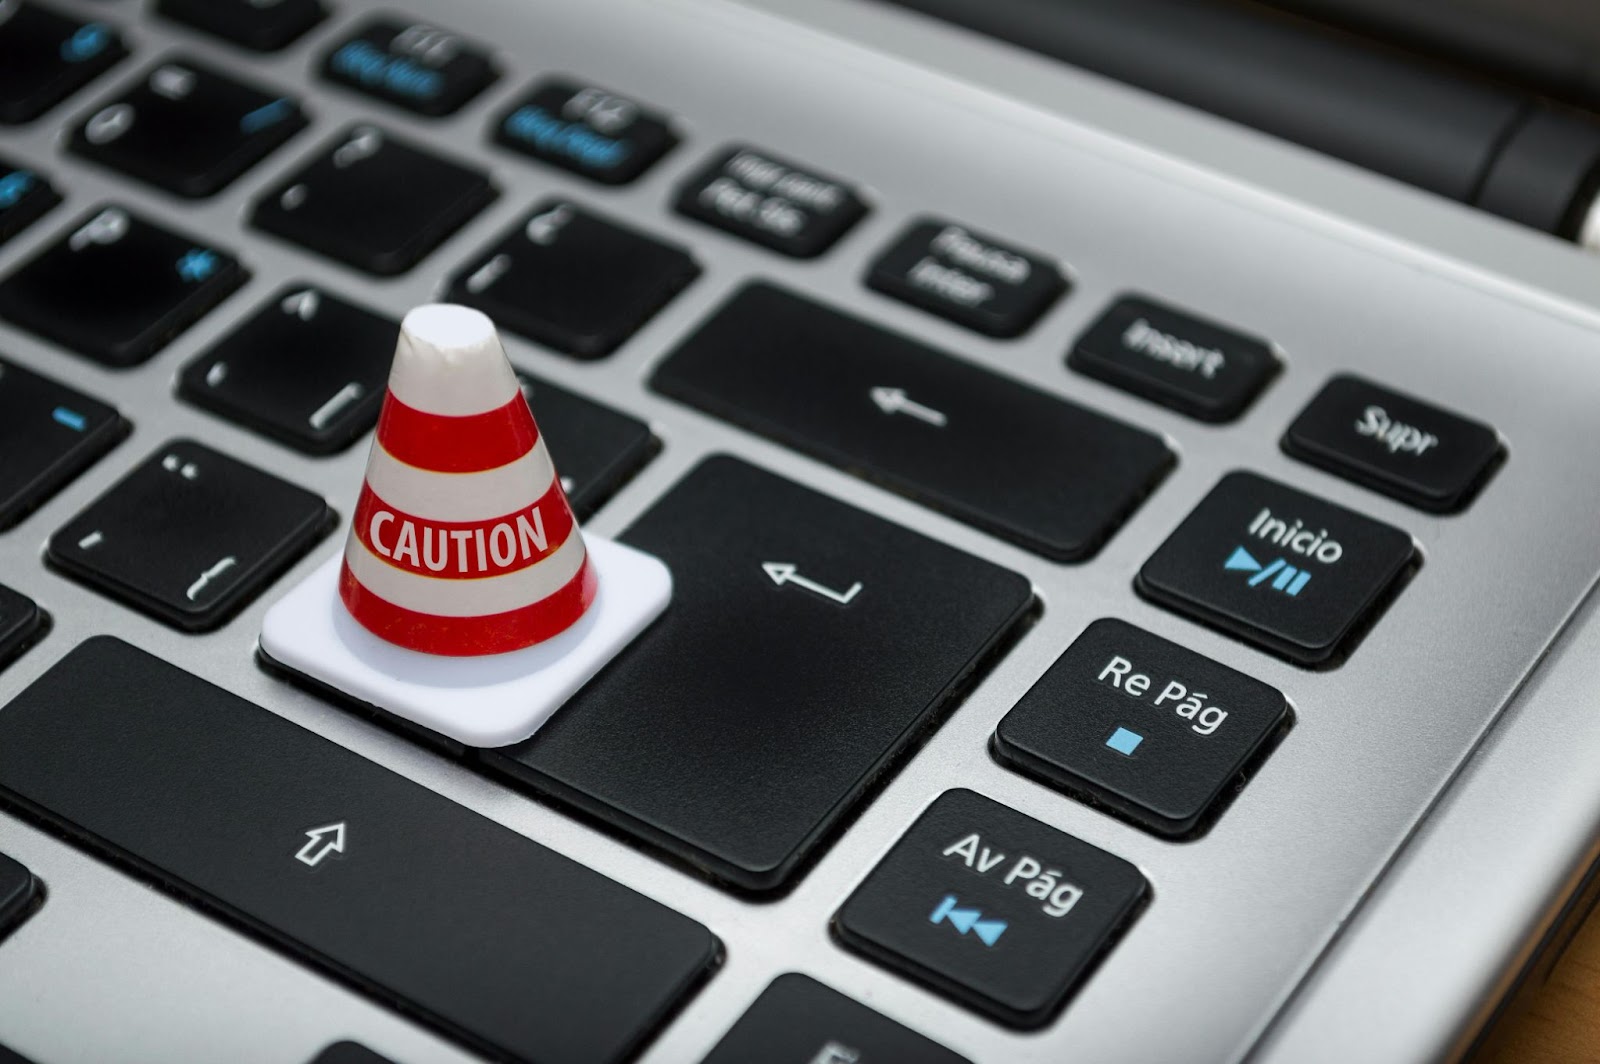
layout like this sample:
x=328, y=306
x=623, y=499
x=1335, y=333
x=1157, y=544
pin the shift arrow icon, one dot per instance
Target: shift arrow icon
x=895, y=401
x=784, y=573
x=320, y=842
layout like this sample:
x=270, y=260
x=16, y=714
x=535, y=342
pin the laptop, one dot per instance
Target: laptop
x=1130, y=545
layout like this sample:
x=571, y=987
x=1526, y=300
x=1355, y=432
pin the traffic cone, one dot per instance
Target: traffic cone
x=463, y=542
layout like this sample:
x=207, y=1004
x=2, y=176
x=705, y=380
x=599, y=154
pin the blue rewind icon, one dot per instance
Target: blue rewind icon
x=964, y=920
x=1284, y=577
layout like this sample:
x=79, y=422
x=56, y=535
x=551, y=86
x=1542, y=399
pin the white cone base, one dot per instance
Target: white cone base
x=492, y=700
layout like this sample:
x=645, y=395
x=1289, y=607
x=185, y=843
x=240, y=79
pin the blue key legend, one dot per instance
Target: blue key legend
x=1125, y=742
x=1284, y=577
x=965, y=920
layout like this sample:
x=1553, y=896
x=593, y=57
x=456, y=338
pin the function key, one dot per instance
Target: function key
x=21, y=622
x=798, y=1019
x=430, y=908
x=307, y=368
x=848, y=633
x=48, y=434
x=260, y=25
x=117, y=288
x=1394, y=443
x=373, y=201
x=993, y=908
x=187, y=129
x=967, y=277
x=585, y=129
x=46, y=57
x=573, y=281
x=1051, y=476
x=24, y=197
x=1168, y=356
x=422, y=68
x=772, y=202
x=1277, y=567
x=1136, y=723
x=190, y=535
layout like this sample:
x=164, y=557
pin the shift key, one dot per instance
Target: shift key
x=1014, y=461
x=513, y=950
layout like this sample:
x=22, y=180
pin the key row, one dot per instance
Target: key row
x=1159, y=734
x=943, y=431
x=576, y=282
x=992, y=908
x=541, y=959
x=192, y=130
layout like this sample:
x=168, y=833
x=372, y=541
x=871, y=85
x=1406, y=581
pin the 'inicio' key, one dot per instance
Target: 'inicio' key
x=511, y=949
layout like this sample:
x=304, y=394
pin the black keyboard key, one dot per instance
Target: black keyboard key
x=807, y=647
x=18, y=893
x=1394, y=443
x=117, y=288
x=798, y=1019
x=573, y=281
x=1024, y=465
x=25, y=196
x=967, y=277
x=483, y=934
x=187, y=129
x=597, y=449
x=374, y=202
x=585, y=129
x=1000, y=912
x=1168, y=356
x=49, y=433
x=8, y=1056
x=307, y=369
x=190, y=535
x=349, y=1053
x=21, y=623
x=772, y=202
x=1159, y=734
x=46, y=57
x=419, y=67
x=260, y=25
x=1279, y=568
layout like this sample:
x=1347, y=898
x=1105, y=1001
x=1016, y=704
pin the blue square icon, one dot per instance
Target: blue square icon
x=1124, y=741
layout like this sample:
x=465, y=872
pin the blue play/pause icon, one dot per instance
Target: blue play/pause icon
x=1124, y=741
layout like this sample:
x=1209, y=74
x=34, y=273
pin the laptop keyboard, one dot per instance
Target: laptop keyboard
x=870, y=503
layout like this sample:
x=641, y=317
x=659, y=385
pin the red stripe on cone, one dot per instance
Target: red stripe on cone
x=460, y=559
x=466, y=636
x=445, y=444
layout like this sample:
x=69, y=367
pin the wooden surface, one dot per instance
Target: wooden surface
x=1558, y=1022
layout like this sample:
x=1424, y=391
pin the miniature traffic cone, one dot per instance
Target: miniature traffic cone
x=463, y=542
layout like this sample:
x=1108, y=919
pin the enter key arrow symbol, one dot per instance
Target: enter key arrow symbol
x=894, y=401
x=320, y=842
x=782, y=573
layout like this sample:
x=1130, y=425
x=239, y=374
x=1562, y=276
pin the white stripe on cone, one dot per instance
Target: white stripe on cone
x=480, y=597
x=461, y=496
